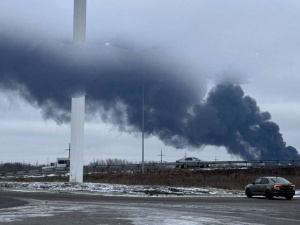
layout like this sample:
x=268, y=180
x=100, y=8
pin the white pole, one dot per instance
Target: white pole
x=78, y=104
x=77, y=139
x=79, y=22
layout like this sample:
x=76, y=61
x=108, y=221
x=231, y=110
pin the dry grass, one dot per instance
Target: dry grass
x=231, y=178
x=219, y=178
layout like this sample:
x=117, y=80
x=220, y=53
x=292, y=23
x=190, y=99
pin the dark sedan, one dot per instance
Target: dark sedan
x=270, y=187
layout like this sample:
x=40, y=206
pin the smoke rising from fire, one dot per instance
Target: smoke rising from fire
x=176, y=110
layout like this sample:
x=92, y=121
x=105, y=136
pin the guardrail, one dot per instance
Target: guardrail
x=154, y=166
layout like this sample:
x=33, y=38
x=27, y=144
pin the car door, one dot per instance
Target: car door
x=261, y=188
x=255, y=186
x=195, y=160
x=187, y=162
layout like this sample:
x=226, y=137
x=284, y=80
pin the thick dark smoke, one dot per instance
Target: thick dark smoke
x=231, y=119
x=113, y=77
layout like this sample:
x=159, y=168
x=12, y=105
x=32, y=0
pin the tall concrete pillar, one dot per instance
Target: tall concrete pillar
x=79, y=22
x=77, y=139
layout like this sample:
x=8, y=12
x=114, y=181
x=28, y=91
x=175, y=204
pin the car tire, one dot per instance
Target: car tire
x=185, y=166
x=289, y=197
x=268, y=194
x=248, y=193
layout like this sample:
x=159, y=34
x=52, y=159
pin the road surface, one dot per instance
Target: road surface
x=32, y=208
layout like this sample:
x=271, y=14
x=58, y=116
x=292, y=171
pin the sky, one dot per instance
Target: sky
x=252, y=43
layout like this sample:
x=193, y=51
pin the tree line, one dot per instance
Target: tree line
x=17, y=166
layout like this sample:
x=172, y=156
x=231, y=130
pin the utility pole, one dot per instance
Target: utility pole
x=161, y=155
x=143, y=109
x=69, y=149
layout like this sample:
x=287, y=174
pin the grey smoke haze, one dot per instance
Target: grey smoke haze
x=112, y=77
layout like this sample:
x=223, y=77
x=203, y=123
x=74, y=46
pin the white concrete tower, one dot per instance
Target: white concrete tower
x=78, y=104
x=79, y=22
x=77, y=140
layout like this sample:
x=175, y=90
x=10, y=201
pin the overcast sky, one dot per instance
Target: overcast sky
x=256, y=43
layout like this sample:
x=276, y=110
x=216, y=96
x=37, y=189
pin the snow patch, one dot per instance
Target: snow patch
x=118, y=189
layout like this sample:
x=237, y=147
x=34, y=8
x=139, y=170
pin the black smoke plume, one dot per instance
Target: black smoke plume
x=47, y=75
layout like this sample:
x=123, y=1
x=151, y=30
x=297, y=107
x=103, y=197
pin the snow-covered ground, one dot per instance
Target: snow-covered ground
x=117, y=189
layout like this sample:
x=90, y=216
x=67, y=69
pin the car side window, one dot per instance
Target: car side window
x=188, y=159
x=264, y=181
x=257, y=181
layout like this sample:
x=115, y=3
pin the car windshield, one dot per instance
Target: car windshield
x=279, y=180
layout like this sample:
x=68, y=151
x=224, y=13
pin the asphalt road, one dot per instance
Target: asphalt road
x=62, y=208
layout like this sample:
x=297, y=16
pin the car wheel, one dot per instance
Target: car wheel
x=268, y=194
x=248, y=193
x=289, y=197
x=185, y=166
x=204, y=165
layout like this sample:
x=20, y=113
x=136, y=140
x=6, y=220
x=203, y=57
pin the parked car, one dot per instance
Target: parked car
x=191, y=162
x=270, y=187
